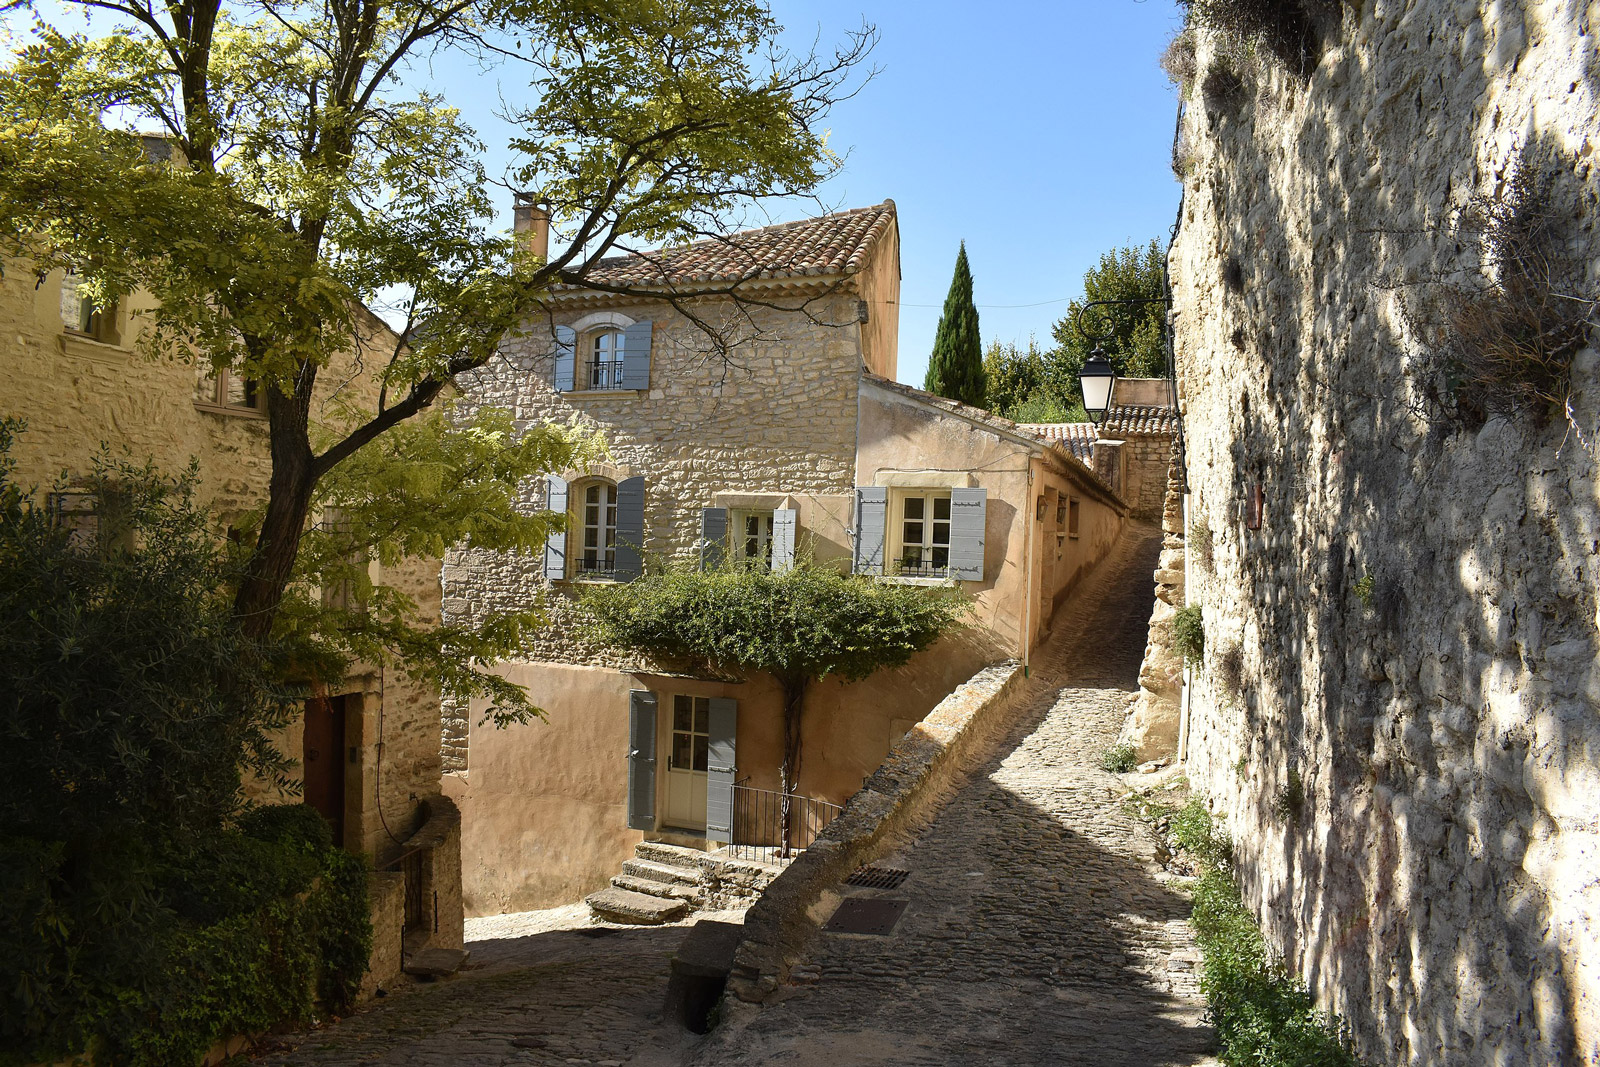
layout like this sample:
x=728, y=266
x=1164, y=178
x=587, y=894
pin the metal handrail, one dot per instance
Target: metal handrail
x=771, y=826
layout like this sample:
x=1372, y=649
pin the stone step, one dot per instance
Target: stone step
x=673, y=855
x=651, y=887
x=622, y=906
x=661, y=872
x=436, y=962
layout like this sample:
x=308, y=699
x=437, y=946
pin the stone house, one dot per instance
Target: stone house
x=368, y=748
x=797, y=441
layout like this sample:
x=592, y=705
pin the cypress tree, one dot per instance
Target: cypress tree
x=955, y=369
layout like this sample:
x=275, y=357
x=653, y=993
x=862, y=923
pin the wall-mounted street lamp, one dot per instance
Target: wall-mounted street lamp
x=1096, y=380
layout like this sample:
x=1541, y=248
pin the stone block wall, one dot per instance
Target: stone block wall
x=1397, y=713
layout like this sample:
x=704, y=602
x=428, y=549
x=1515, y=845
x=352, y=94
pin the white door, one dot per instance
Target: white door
x=687, y=757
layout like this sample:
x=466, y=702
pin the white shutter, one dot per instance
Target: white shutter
x=872, y=522
x=636, y=356
x=720, y=768
x=555, y=543
x=566, y=359
x=967, y=508
x=784, y=521
x=713, y=537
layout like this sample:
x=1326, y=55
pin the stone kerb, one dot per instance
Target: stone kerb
x=904, y=789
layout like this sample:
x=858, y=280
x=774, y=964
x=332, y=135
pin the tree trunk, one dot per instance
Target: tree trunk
x=288, y=502
x=794, y=697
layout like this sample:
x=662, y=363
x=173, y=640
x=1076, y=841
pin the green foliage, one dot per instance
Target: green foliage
x=421, y=488
x=956, y=366
x=145, y=917
x=1137, y=347
x=808, y=622
x=1189, y=634
x=1119, y=759
x=1264, y=1016
x=1290, y=802
x=1363, y=588
x=1027, y=386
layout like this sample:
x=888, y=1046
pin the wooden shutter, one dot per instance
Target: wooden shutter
x=555, y=543
x=630, y=529
x=784, y=522
x=642, y=760
x=720, y=769
x=967, y=507
x=636, y=356
x=872, y=522
x=566, y=359
x=713, y=537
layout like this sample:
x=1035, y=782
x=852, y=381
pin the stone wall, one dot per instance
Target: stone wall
x=1155, y=722
x=1397, y=709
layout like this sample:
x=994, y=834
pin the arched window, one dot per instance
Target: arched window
x=597, y=522
x=605, y=359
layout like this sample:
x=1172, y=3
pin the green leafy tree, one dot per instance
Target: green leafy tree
x=297, y=174
x=955, y=368
x=1137, y=346
x=1025, y=386
x=799, y=625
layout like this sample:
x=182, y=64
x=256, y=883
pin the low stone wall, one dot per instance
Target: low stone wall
x=904, y=789
x=386, y=891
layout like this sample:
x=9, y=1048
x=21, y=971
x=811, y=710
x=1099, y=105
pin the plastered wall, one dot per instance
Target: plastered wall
x=1397, y=714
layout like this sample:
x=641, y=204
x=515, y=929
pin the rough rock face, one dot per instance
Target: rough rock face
x=1154, y=721
x=1398, y=708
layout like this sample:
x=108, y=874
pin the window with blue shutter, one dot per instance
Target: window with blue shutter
x=713, y=537
x=566, y=359
x=720, y=768
x=872, y=520
x=636, y=341
x=630, y=529
x=642, y=760
x=967, y=516
x=555, y=542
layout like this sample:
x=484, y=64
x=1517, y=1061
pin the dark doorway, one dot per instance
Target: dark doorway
x=324, y=760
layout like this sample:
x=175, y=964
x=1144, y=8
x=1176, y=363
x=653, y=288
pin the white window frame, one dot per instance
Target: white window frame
x=928, y=545
x=603, y=375
x=604, y=550
x=699, y=739
x=740, y=540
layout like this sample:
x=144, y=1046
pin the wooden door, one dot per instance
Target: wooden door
x=324, y=760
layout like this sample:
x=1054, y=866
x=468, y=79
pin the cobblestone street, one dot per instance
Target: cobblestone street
x=1038, y=930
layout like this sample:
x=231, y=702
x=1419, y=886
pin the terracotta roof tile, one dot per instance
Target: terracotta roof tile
x=1077, y=437
x=1132, y=421
x=829, y=245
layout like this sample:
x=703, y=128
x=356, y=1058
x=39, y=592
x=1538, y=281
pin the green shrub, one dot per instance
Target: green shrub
x=145, y=915
x=1363, y=590
x=1264, y=1016
x=1189, y=634
x=1119, y=759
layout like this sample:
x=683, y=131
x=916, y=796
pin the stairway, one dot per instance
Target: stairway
x=660, y=884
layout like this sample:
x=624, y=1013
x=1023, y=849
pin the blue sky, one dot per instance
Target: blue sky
x=1039, y=132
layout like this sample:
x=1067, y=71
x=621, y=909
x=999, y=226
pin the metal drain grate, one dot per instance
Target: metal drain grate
x=866, y=915
x=870, y=877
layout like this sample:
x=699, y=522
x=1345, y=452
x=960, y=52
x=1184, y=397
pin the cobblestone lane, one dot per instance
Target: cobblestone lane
x=1039, y=930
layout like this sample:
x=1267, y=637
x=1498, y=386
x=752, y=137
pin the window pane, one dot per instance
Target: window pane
x=941, y=507
x=941, y=559
x=592, y=496
x=913, y=507
x=681, y=714
x=701, y=752
x=682, y=751
x=912, y=556
x=912, y=534
x=702, y=714
x=941, y=533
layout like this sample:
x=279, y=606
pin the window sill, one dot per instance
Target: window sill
x=931, y=583
x=85, y=347
x=228, y=409
x=603, y=392
x=592, y=579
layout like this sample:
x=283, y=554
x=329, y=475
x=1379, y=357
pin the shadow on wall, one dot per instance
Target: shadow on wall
x=1416, y=729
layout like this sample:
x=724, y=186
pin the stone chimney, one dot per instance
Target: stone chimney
x=530, y=222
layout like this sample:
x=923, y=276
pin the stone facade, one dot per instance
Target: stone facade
x=1397, y=709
